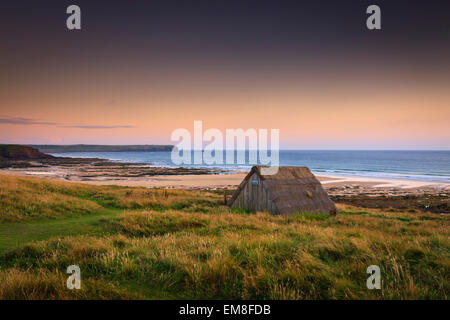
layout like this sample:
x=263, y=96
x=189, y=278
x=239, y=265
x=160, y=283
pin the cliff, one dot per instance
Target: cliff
x=20, y=152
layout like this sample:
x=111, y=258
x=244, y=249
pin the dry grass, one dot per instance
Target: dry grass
x=188, y=246
x=42, y=285
x=30, y=198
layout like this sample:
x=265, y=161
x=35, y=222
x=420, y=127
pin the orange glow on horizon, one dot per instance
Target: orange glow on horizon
x=370, y=113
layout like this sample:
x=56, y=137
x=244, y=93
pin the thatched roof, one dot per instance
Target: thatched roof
x=292, y=189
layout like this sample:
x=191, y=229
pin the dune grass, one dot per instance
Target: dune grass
x=25, y=199
x=140, y=244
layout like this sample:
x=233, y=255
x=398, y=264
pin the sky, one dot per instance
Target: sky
x=138, y=70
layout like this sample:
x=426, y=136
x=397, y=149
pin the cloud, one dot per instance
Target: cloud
x=97, y=127
x=28, y=122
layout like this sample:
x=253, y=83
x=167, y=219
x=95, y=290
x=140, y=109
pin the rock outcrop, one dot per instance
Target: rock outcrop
x=20, y=152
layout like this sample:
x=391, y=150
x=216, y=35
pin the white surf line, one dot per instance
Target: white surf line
x=386, y=182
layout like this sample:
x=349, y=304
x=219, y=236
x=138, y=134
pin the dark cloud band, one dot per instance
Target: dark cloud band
x=28, y=122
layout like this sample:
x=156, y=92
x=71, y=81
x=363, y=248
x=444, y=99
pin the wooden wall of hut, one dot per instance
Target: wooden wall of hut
x=254, y=197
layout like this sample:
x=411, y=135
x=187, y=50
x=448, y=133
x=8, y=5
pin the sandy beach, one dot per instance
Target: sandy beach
x=232, y=180
x=335, y=185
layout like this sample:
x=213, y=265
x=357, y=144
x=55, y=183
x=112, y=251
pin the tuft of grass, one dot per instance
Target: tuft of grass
x=145, y=224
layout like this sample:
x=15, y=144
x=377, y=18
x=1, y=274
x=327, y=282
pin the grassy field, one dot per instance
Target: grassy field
x=137, y=243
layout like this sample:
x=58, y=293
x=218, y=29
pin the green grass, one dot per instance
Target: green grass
x=136, y=243
x=13, y=235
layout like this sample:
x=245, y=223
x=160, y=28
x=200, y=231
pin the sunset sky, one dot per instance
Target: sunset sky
x=140, y=69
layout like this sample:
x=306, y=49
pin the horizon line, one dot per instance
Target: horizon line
x=281, y=149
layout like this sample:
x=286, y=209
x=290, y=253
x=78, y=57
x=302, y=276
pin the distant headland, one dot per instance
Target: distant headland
x=47, y=148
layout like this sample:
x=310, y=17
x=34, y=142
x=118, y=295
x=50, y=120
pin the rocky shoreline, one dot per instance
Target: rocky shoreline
x=94, y=169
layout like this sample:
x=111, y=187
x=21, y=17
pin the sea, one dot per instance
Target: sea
x=433, y=166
